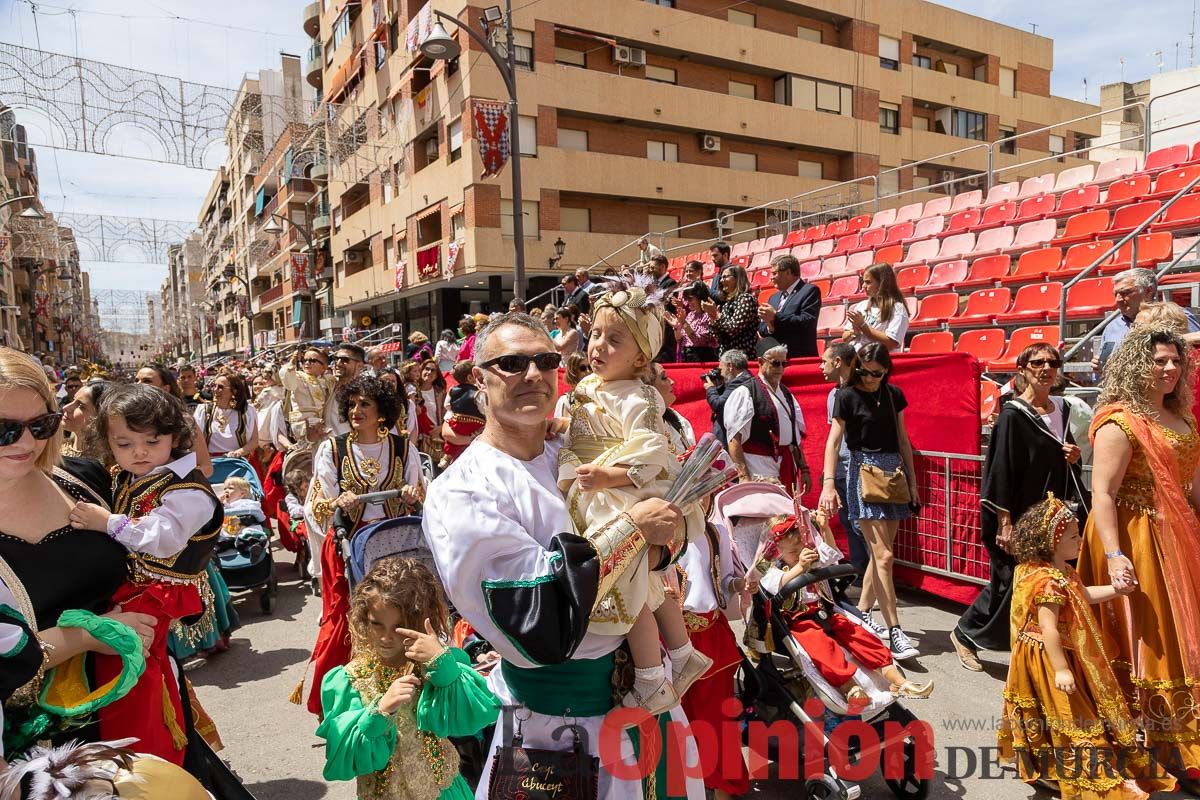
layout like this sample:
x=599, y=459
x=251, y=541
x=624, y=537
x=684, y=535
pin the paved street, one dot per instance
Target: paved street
x=271, y=744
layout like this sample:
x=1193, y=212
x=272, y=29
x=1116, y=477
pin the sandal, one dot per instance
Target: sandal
x=966, y=656
x=914, y=690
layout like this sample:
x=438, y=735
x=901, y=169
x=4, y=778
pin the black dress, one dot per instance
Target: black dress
x=1024, y=462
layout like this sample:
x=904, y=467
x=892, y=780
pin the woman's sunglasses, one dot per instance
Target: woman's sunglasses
x=313, y=361
x=1038, y=363
x=514, y=364
x=41, y=428
x=871, y=373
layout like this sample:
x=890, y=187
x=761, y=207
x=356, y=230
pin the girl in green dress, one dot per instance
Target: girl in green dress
x=386, y=713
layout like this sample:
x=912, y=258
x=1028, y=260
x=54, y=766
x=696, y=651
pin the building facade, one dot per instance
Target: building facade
x=1172, y=98
x=641, y=116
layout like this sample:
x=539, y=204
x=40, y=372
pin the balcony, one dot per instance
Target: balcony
x=311, y=19
x=314, y=65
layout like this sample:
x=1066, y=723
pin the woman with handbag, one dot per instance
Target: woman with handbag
x=881, y=488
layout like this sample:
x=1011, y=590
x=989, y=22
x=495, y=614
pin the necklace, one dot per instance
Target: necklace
x=219, y=416
x=369, y=467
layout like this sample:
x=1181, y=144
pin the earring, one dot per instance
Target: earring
x=383, y=431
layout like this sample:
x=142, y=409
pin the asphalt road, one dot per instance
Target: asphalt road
x=270, y=743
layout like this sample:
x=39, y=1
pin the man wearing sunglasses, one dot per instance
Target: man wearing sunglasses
x=497, y=525
x=348, y=362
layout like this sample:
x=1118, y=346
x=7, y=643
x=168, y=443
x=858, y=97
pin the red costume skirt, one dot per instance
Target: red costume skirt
x=704, y=703
x=463, y=427
x=273, y=494
x=826, y=651
x=333, y=639
x=153, y=710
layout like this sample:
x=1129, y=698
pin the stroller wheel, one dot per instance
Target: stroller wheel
x=824, y=788
x=266, y=600
x=910, y=787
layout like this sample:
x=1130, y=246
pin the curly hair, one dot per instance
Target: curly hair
x=374, y=389
x=1032, y=541
x=406, y=585
x=146, y=409
x=1130, y=370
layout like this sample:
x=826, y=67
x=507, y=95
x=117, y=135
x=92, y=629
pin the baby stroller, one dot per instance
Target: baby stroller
x=779, y=676
x=360, y=549
x=244, y=559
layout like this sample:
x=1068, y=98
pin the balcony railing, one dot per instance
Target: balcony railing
x=271, y=295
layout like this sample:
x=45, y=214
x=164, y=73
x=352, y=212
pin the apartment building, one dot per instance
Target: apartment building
x=267, y=103
x=179, y=296
x=657, y=115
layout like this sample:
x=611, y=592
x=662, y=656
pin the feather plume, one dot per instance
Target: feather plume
x=74, y=771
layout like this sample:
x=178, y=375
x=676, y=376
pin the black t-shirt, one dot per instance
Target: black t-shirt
x=870, y=418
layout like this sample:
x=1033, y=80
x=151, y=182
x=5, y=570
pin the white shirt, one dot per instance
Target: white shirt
x=700, y=595
x=334, y=424
x=1054, y=420
x=223, y=438
x=446, y=354
x=165, y=531
x=325, y=477
x=431, y=405
x=896, y=327
x=271, y=425
x=739, y=413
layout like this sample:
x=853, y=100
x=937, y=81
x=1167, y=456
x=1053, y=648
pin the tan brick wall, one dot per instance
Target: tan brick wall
x=1039, y=142
x=631, y=217
x=866, y=104
x=548, y=210
x=906, y=112
x=547, y=126
x=481, y=206
x=992, y=127
x=767, y=19
x=1033, y=80
x=861, y=37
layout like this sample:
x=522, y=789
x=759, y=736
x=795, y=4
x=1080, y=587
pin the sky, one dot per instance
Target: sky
x=217, y=42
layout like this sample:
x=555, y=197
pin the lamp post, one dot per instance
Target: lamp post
x=441, y=46
x=231, y=275
x=29, y=213
x=273, y=227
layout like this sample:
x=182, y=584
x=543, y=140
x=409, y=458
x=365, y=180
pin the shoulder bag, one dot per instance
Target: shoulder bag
x=877, y=485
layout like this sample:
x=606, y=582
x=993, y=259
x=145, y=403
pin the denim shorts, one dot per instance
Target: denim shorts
x=859, y=508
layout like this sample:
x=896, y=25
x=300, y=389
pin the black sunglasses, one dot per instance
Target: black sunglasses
x=1038, y=363
x=516, y=364
x=313, y=361
x=871, y=372
x=774, y=362
x=41, y=428
x=346, y=359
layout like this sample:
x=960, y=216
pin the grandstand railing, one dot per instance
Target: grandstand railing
x=788, y=206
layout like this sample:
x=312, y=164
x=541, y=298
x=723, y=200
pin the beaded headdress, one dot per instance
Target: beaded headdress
x=1057, y=518
x=640, y=310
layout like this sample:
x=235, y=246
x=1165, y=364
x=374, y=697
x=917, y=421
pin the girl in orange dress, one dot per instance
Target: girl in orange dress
x=1065, y=718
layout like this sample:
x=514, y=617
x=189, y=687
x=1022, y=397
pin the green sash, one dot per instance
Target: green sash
x=581, y=687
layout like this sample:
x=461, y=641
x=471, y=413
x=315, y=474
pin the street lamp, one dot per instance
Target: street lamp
x=273, y=227
x=441, y=46
x=231, y=275
x=30, y=213
x=560, y=247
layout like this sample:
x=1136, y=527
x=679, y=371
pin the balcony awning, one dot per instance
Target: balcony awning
x=584, y=35
x=429, y=212
x=342, y=76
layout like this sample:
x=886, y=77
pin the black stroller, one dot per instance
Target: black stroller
x=244, y=559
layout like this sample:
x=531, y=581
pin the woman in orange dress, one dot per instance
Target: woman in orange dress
x=1144, y=532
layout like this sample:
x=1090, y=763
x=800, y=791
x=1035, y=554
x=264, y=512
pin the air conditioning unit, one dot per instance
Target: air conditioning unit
x=353, y=256
x=710, y=143
x=632, y=56
x=724, y=224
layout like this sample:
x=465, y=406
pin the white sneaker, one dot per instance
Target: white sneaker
x=901, y=646
x=691, y=671
x=653, y=701
x=874, y=627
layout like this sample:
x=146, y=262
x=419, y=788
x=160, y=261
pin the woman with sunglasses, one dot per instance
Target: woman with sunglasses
x=229, y=424
x=61, y=580
x=368, y=459
x=868, y=413
x=1032, y=452
x=736, y=322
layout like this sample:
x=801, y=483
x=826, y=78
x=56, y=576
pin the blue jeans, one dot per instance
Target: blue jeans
x=860, y=554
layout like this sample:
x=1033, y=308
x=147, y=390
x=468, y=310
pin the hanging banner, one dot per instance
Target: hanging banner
x=401, y=271
x=244, y=306
x=491, y=130
x=299, y=271
x=40, y=301
x=419, y=28
x=452, y=251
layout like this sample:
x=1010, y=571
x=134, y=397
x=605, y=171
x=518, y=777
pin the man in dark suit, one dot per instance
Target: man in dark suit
x=790, y=315
x=667, y=285
x=720, y=259
x=576, y=296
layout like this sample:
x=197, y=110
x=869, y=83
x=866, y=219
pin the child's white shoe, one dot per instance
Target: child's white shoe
x=690, y=671
x=654, y=700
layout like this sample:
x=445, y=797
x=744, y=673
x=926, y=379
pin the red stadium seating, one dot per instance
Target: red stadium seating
x=846, y=244
x=1166, y=158
x=946, y=275
x=871, y=238
x=823, y=286
x=1091, y=297
x=963, y=221
x=932, y=342
x=900, y=232
x=1083, y=227
x=993, y=241
x=814, y=234
x=1000, y=214
x=965, y=200
x=802, y=251
x=1032, y=187
x=810, y=270
x=1184, y=214
x=982, y=306
x=1114, y=170
x=831, y=319
x=835, y=229
x=985, y=271
x=843, y=287
x=920, y=252
x=1081, y=256
x=883, y=218
x=858, y=223
x=794, y=238
x=756, y=246
x=857, y=262
x=1126, y=218
x=760, y=278
x=1002, y=193
x=835, y=267
x=739, y=249
x=1153, y=248
x=773, y=242
x=1032, y=235
x=1129, y=190
x=760, y=260
x=1035, y=265
x=909, y=213
x=1075, y=176
x=890, y=254
x=989, y=398
x=986, y=344
x=937, y=207
x=821, y=248
x=934, y=310
x=1078, y=199
x=1171, y=182
x=1022, y=338
x=1035, y=208
x=956, y=246
x=926, y=228
x=1033, y=303
x=765, y=294
x=910, y=278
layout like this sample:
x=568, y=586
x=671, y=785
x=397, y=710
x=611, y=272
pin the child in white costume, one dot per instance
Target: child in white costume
x=616, y=454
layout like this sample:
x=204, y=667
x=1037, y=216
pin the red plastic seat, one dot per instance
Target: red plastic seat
x=835, y=229
x=794, y=238
x=739, y=249
x=821, y=248
x=1091, y=297
x=1152, y=248
x=1078, y=199
x=1035, y=265
x=985, y=271
x=857, y=262
x=1082, y=228
x=1035, y=208
x=1033, y=303
x=1032, y=187
x=910, y=278
x=1081, y=256
x=802, y=251
x=773, y=242
x=920, y=252
x=982, y=306
x=883, y=218
x=761, y=259
x=937, y=207
x=1022, y=338
x=1115, y=170
x=997, y=215
x=1127, y=190
x=989, y=398
x=709, y=271
x=810, y=270
x=835, y=267
x=963, y=221
x=1166, y=158
x=843, y=287
x=965, y=200
x=890, y=254
x=831, y=319
x=1002, y=193
x=1184, y=214
x=760, y=278
x=932, y=342
x=1075, y=176
x=926, y=228
x=934, y=310
x=814, y=234
x=858, y=223
x=1126, y=218
x=993, y=241
x=871, y=238
x=822, y=285
x=846, y=244
x=909, y=213
x=1032, y=235
x=765, y=294
x=986, y=344
x=956, y=246
x=900, y=232
x=946, y=275
x=1170, y=182
x=757, y=246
